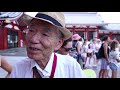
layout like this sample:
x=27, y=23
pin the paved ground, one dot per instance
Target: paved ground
x=12, y=60
x=14, y=52
x=13, y=56
x=17, y=54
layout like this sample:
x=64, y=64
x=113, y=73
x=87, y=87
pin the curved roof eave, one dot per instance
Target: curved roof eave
x=88, y=24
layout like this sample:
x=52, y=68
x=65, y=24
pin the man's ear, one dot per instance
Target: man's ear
x=59, y=44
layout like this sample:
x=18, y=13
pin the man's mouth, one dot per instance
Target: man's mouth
x=34, y=49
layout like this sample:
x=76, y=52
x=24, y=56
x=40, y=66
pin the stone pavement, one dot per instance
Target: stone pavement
x=12, y=60
x=12, y=56
x=14, y=52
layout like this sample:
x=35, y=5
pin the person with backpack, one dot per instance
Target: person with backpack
x=76, y=50
x=104, y=57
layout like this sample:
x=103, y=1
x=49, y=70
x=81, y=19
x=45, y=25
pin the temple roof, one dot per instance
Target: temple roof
x=111, y=26
x=84, y=18
x=10, y=15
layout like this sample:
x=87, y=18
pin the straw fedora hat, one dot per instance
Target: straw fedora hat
x=55, y=18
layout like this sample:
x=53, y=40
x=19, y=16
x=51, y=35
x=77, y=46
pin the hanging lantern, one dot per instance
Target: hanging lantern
x=7, y=21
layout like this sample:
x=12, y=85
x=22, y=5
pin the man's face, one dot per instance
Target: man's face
x=42, y=39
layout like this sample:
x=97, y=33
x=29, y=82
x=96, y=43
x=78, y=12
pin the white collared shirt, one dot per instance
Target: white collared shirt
x=67, y=67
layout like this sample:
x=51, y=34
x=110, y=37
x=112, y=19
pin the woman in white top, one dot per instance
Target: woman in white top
x=114, y=58
x=91, y=59
x=84, y=50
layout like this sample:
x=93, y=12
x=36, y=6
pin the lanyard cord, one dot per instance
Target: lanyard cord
x=36, y=73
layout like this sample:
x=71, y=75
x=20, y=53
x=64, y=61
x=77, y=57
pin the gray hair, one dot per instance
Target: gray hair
x=59, y=33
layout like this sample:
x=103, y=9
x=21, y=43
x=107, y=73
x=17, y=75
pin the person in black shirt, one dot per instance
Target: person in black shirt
x=104, y=57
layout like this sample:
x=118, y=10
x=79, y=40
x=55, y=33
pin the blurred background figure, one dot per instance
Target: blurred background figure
x=84, y=49
x=75, y=45
x=66, y=47
x=98, y=45
x=76, y=50
x=114, y=57
x=92, y=45
x=6, y=66
x=105, y=61
x=90, y=60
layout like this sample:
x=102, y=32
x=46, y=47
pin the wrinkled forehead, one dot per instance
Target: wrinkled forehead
x=40, y=22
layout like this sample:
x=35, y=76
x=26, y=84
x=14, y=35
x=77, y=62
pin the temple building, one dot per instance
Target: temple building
x=87, y=24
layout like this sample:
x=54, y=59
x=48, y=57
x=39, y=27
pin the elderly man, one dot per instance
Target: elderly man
x=46, y=33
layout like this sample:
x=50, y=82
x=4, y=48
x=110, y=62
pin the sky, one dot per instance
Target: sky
x=110, y=17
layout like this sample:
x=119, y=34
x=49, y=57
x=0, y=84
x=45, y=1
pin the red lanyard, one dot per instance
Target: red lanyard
x=53, y=67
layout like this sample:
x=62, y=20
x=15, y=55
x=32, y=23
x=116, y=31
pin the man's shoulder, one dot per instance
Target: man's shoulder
x=20, y=68
x=66, y=59
x=23, y=62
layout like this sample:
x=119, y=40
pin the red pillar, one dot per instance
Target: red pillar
x=19, y=38
x=110, y=35
x=74, y=30
x=97, y=32
x=87, y=32
x=1, y=39
x=5, y=45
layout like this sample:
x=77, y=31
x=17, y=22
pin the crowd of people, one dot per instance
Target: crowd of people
x=53, y=52
x=102, y=52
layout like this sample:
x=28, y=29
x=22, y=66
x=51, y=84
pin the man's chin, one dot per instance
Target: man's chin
x=35, y=57
x=31, y=57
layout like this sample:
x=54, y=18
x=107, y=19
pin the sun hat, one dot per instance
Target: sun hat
x=76, y=37
x=55, y=18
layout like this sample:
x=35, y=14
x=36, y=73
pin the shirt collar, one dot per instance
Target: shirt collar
x=48, y=68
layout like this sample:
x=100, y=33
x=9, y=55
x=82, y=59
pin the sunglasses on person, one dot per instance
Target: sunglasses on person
x=67, y=49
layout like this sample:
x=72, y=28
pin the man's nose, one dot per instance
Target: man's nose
x=35, y=38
